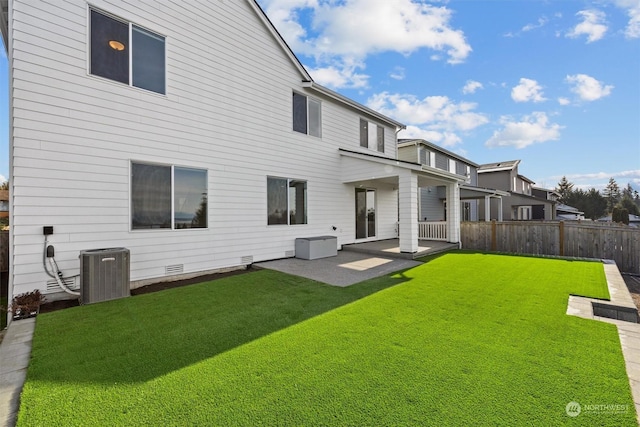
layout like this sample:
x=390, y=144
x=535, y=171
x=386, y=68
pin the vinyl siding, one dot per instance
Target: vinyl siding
x=227, y=110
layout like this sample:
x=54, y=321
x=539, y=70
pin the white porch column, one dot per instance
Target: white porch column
x=453, y=212
x=487, y=208
x=408, y=215
x=500, y=209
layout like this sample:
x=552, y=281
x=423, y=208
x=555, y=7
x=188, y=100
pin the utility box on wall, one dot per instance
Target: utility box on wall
x=104, y=274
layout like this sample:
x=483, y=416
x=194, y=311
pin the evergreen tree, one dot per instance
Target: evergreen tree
x=612, y=194
x=564, y=188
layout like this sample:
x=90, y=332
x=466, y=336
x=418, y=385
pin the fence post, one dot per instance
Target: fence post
x=494, y=239
x=561, y=245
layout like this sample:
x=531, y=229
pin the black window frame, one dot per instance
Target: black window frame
x=302, y=107
x=141, y=72
x=290, y=216
x=364, y=135
x=165, y=217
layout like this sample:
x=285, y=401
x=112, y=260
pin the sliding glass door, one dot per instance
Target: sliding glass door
x=365, y=213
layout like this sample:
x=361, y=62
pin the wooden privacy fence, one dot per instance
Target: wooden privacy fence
x=4, y=251
x=559, y=238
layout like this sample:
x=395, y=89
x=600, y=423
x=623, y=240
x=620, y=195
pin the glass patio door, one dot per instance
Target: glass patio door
x=365, y=213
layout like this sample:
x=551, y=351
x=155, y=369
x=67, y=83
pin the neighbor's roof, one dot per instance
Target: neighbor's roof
x=500, y=166
x=409, y=142
x=568, y=209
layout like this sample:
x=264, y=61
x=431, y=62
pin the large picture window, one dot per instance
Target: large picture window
x=126, y=53
x=286, y=201
x=306, y=115
x=169, y=197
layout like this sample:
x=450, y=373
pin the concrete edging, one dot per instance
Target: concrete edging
x=15, y=352
x=628, y=332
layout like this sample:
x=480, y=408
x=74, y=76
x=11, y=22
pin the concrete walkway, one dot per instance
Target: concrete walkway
x=629, y=332
x=343, y=270
x=15, y=351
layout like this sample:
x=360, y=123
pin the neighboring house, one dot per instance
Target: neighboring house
x=433, y=203
x=634, y=220
x=189, y=133
x=567, y=212
x=522, y=203
x=4, y=203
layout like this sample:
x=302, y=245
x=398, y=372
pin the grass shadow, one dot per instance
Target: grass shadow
x=140, y=338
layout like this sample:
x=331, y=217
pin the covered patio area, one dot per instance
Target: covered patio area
x=367, y=173
x=391, y=248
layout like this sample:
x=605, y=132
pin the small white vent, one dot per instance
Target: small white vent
x=289, y=254
x=174, y=269
x=71, y=283
x=246, y=260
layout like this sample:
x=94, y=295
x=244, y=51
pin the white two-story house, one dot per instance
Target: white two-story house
x=190, y=134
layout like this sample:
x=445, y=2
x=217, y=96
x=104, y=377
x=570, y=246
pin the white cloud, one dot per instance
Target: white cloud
x=340, y=75
x=632, y=7
x=436, y=118
x=528, y=90
x=564, y=101
x=350, y=30
x=592, y=25
x=531, y=129
x=397, y=73
x=587, y=88
x=541, y=23
x=471, y=87
x=3, y=179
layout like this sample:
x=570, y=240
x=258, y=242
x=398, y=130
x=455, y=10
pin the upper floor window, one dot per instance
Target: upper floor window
x=126, y=53
x=306, y=115
x=164, y=196
x=371, y=136
x=286, y=201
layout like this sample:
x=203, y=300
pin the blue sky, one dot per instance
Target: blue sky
x=553, y=83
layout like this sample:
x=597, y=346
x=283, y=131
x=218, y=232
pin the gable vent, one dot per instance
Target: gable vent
x=174, y=269
x=70, y=282
x=246, y=260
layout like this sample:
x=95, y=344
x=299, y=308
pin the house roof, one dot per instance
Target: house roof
x=568, y=209
x=524, y=178
x=417, y=167
x=4, y=23
x=548, y=190
x=632, y=218
x=409, y=142
x=343, y=99
x=499, y=166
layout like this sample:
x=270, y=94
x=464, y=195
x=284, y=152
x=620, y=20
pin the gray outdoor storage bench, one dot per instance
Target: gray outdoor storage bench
x=316, y=247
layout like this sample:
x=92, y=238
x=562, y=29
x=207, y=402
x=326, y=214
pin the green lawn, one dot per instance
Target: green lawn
x=465, y=339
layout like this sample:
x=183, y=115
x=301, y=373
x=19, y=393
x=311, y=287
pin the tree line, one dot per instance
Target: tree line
x=618, y=203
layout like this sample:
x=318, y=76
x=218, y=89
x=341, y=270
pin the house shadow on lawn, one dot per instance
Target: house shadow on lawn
x=140, y=338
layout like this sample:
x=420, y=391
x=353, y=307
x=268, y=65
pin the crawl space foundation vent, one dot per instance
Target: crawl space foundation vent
x=174, y=269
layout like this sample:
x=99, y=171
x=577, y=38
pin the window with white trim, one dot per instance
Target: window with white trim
x=306, y=115
x=286, y=201
x=371, y=136
x=126, y=53
x=171, y=197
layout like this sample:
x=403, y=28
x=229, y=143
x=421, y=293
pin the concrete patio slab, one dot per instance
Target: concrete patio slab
x=343, y=270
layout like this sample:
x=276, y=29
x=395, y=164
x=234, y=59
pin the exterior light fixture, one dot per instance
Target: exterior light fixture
x=116, y=45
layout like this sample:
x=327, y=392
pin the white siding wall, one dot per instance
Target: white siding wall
x=227, y=110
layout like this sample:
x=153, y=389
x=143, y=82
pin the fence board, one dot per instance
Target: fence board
x=4, y=251
x=580, y=240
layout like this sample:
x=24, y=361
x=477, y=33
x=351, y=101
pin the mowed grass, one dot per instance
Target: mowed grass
x=465, y=339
